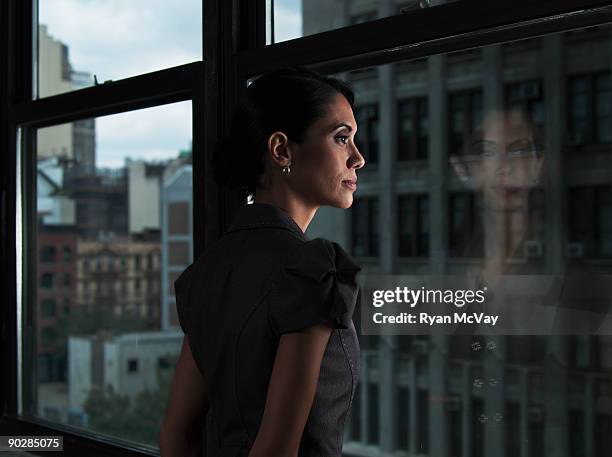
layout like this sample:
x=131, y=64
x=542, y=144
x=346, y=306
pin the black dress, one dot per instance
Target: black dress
x=261, y=279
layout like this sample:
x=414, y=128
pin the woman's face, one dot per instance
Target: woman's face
x=502, y=160
x=324, y=166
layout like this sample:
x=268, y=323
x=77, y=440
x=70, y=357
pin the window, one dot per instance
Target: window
x=465, y=227
x=74, y=45
x=577, y=439
x=355, y=413
x=403, y=418
x=478, y=427
x=132, y=365
x=46, y=281
x=513, y=428
x=465, y=116
x=454, y=430
x=178, y=253
x=423, y=422
x=366, y=138
x=590, y=109
x=590, y=222
x=47, y=254
x=364, y=214
x=527, y=97
x=48, y=307
x=373, y=414
x=80, y=178
x=412, y=129
x=67, y=253
x=291, y=19
x=163, y=363
x=178, y=218
x=413, y=225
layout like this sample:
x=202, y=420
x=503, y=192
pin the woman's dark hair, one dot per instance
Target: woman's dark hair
x=290, y=100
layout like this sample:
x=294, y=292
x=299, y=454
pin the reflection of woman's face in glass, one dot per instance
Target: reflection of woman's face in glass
x=502, y=160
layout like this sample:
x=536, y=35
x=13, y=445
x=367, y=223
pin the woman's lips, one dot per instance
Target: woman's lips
x=351, y=184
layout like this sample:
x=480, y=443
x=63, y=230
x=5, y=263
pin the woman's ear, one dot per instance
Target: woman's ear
x=278, y=149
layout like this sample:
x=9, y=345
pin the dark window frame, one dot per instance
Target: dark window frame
x=235, y=43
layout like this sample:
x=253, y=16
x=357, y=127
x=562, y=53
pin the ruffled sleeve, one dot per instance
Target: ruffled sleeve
x=317, y=284
x=182, y=291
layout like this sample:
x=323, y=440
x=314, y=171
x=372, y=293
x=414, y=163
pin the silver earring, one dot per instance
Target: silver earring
x=287, y=169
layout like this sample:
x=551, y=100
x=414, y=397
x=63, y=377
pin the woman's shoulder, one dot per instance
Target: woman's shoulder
x=317, y=283
x=318, y=257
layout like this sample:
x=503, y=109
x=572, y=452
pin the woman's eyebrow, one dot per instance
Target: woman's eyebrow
x=342, y=124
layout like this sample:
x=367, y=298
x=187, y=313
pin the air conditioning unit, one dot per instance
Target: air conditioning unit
x=529, y=90
x=533, y=249
x=574, y=250
x=420, y=347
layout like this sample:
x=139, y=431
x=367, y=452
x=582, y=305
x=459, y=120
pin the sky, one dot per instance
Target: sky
x=115, y=39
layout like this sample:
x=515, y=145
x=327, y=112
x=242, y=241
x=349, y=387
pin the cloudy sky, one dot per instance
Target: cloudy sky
x=115, y=39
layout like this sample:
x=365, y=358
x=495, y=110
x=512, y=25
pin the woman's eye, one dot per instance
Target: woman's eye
x=342, y=138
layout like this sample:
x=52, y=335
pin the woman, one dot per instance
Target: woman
x=271, y=352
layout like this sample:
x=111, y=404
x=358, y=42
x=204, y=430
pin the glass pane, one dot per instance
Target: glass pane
x=110, y=40
x=504, y=192
x=114, y=199
x=298, y=18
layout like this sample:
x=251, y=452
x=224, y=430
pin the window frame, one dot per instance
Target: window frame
x=234, y=46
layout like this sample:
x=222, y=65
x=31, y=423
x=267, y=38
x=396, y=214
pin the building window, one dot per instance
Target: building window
x=137, y=261
x=603, y=433
x=465, y=116
x=48, y=307
x=132, y=365
x=589, y=109
x=423, y=423
x=577, y=439
x=67, y=253
x=526, y=349
x=513, y=428
x=67, y=279
x=364, y=222
x=412, y=129
x=178, y=218
x=373, y=413
x=528, y=98
x=478, y=427
x=466, y=232
x=403, y=418
x=454, y=431
x=413, y=225
x=46, y=280
x=178, y=253
x=356, y=415
x=47, y=254
x=163, y=363
x=366, y=138
x=590, y=222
